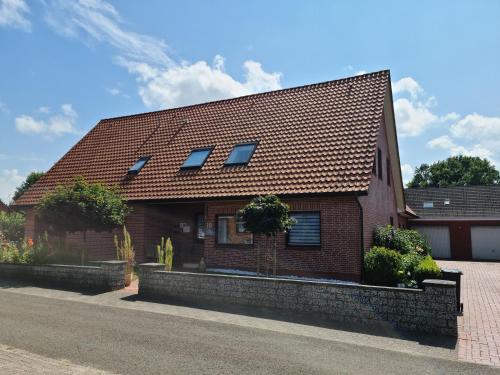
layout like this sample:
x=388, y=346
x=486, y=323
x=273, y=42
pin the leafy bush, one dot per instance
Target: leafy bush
x=12, y=226
x=426, y=269
x=383, y=266
x=410, y=261
x=402, y=240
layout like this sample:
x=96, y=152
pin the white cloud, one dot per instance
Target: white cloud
x=412, y=118
x=409, y=85
x=57, y=125
x=28, y=125
x=44, y=109
x=407, y=172
x=414, y=113
x=162, y=81
x=10, y=179
x=13, y=14
x=199, y=82
x=101, y=22
x=114, y=91
x=446, y=143
x=361, y=72
x=477, y=127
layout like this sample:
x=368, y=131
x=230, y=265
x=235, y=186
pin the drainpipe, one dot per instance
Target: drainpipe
x=362, y=237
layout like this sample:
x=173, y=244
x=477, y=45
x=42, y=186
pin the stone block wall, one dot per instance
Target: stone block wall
x=431, y=310
x=108, y=275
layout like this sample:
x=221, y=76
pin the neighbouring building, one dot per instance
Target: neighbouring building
x=329, y=150
x=4, y=207
x=460, y=222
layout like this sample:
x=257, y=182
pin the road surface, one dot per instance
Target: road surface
x=128, y=341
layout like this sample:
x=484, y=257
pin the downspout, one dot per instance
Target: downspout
x=362, y=238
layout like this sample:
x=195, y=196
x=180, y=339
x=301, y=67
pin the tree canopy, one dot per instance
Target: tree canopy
x=266, y=215
x=30, y=180
x=456, y=171
x=82, y=206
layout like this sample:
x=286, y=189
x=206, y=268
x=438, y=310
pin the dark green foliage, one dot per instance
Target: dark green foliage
x=82, y=206
x=30, y=181
x=456, y=171
x=12, y=226
x=426, y=269
x=383, y=266
x=402, y=240
x=266, y=215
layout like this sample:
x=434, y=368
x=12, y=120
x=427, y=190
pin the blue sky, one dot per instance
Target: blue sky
x=66, y=64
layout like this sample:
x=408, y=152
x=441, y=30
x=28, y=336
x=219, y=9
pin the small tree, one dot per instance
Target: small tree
x=30, y=181
x=266, y=215
x=82, y=206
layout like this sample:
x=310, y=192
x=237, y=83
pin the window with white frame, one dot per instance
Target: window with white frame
x=232, y=232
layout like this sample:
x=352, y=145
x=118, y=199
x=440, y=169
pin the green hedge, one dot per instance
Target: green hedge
x=402, y=240
x=383, y=266
x=426, y=269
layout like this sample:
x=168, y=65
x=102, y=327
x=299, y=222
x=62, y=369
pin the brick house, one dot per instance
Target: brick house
x=4, y=207
x=329, y=150
x=461, y=222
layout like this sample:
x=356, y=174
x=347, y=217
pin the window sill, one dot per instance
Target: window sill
x=304, y=247
x=233, y=246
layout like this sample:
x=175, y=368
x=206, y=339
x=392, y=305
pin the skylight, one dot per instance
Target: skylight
x=139, y=164
x=197, y=158
x=241, y=154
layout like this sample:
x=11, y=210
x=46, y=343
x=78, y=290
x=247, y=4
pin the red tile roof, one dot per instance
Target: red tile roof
x=319, y=138
x=4, y=207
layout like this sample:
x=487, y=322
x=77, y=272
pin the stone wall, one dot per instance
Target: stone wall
x=107, y=275
x=431, y=310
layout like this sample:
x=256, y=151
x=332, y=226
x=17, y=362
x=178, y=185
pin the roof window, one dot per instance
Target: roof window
x=139, y=164
x=197, y=158
x=241, y=154
x=429, y=204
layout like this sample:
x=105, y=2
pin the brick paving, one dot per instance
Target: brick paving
x=15, y=361
x=479, y=327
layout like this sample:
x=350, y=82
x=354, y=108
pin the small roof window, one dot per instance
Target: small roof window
x=139, y=164
x=197, y=158
x=446, y=202
x=241, y=154
x=429, y=204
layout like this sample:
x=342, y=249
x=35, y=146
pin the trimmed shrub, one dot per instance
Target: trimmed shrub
x=402, y=240
x=426, y=269
x=383, y=266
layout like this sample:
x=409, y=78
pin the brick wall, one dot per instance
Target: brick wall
x=380, y=203
x=338, y=256
x=432, y=309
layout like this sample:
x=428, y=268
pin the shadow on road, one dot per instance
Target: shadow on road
x=383, y=330
x=18, y=284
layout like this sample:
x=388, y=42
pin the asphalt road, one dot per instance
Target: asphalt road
x=139, y=342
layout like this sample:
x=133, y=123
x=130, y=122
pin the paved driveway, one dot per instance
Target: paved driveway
x=479, y=327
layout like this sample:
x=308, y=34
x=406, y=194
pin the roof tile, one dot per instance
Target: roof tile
x=312, y=139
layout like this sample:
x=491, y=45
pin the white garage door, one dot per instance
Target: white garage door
x=485, y=242
x=439, y=239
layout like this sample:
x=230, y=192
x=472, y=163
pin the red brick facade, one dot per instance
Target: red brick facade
x=347, y=223
x=338, y=256
x=379, y=206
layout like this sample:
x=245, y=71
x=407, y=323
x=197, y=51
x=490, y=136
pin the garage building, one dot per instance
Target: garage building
x=460, y=222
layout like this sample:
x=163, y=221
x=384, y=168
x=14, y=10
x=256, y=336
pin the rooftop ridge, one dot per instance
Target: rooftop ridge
x=260, y=94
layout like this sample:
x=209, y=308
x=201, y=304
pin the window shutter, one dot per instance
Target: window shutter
x=307, y=230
